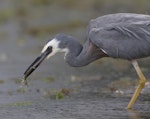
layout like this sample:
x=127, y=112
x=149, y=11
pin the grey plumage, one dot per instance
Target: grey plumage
x=122, y=35
x=78, y=55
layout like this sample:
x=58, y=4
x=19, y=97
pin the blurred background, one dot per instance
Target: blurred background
x=25, y=27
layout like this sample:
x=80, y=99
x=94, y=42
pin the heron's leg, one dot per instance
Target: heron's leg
x=140, y=86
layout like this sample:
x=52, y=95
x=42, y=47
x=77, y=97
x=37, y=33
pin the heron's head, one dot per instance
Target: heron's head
x=56, y=44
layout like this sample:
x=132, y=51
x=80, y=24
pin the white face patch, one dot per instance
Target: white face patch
x=54, y=43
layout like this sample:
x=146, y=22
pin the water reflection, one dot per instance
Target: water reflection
x=135, y=114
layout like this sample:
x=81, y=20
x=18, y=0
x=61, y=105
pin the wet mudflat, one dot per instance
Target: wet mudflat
x=100, y=90
x=34, y=105
x=77, y=108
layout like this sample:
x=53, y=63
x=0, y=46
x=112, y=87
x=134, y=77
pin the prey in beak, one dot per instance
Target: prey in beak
x=36, y=63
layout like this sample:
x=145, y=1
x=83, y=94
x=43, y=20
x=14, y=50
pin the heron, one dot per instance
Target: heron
x=120, y=35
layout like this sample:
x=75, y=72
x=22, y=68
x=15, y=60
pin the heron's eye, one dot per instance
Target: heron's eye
x=49, y=48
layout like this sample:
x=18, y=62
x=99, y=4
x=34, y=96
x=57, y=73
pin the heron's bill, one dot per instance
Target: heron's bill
x=36, y=63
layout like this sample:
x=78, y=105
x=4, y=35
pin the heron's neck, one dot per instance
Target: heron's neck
x=79, y=55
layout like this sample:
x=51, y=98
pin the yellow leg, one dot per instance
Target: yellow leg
x=141, y=84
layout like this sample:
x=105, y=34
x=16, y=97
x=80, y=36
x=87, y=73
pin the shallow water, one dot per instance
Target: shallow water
x=99, y=90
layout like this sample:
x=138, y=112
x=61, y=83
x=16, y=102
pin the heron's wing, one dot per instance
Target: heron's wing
x=127, y=41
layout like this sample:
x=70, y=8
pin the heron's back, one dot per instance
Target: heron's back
x=122, y=35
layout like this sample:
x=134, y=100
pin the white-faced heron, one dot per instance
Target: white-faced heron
x=121, y=35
